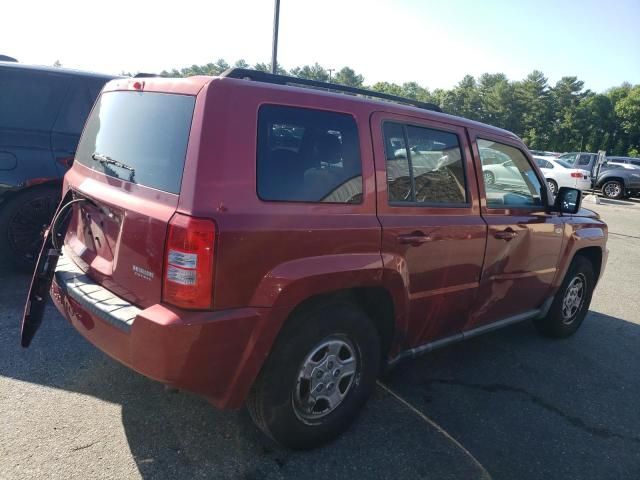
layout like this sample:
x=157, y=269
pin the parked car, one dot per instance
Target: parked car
x=618, y=180
x=254, y=241
x=42, y=111
x=624, y=161
x=543, y=153
x=581, y=160
x=560, y=174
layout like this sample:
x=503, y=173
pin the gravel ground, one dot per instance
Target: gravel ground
x=506, y=405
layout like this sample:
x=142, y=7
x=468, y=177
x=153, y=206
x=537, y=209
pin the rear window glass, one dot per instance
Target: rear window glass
x=307, y=155
x=30, y=100
x=139, y=137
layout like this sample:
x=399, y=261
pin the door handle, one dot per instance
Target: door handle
x=414, y=238
x=506, y=234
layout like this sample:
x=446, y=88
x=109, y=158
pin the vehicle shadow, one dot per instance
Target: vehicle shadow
x=524, y=406
x=179, y=435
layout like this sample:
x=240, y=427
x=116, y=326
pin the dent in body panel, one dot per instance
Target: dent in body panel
x=518, y=273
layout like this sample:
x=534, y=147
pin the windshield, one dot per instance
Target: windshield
x=145, y=133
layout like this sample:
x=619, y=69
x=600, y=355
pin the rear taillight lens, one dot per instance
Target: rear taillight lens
x=576, y=175
x=189, y=262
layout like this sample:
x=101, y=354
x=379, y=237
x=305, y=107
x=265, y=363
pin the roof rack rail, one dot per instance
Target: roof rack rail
x=258, y=76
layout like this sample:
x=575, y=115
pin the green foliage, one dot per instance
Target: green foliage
x=563, y=117
x=347, y=76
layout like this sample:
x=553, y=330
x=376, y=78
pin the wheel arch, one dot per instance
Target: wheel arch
x=602, y=181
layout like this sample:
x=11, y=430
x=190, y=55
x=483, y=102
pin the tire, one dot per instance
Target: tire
x=22, y=221
x=613, y=189
x=553, y=186
x=489, y=178
x=276, y=402
x=564, y=319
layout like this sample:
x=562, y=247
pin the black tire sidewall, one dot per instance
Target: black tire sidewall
x=552, y=324
x=280, y=374
x=7, y=210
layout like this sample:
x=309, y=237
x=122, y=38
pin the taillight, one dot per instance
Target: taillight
x=576, y=175
x=189, y=262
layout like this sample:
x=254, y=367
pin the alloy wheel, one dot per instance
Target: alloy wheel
x=573, y=298
x=326, y=376
x=612, y=189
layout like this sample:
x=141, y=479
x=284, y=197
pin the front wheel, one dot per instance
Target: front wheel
x=613, y=189
x=320, y=372
x=572, y=301
x=553, y=186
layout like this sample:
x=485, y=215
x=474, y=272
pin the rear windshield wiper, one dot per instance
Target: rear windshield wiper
x=98, y=157
x=106, y=160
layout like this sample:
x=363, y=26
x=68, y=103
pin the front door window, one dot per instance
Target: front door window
x=512, y=183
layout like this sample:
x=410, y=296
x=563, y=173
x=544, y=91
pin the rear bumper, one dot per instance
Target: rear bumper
x=583, y=184
x=215, y=354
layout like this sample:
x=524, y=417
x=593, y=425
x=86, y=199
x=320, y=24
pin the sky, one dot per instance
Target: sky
x=432, y=42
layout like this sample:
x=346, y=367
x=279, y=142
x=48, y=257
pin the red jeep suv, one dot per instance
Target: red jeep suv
x=273, y=241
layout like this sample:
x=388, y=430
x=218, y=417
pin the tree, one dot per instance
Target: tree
x=266, y=67
x=531, y=99
x=347, y=76
x=57, y=64
x=563, y=117
x=627, y=110
x=386, y=87
x=311, y=72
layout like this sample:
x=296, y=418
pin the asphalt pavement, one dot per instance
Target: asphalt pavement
x=506, y=405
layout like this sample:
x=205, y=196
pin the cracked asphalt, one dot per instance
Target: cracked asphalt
x=506, y=405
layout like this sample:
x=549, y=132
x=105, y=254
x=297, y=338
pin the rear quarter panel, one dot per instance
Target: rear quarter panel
x=275, y=253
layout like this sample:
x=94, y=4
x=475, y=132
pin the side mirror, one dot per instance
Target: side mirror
x=567, y=200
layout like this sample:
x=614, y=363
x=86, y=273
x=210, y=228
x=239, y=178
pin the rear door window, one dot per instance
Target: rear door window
x=543, y=163
x=140, y=137
x=424, y=166
x=30, y=100
x=307, y=155
x=584, y=159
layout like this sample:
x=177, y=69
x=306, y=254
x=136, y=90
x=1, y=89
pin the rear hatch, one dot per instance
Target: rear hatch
x=128, y=166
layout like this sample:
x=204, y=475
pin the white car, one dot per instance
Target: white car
x=558, y=174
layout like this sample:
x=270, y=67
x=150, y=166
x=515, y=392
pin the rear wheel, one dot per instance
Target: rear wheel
x=553, y=186
x=572, y=301
x=320, y=372
x=22, y=221
x=613, y=189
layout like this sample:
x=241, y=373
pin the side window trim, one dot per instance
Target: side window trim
x=414, y=203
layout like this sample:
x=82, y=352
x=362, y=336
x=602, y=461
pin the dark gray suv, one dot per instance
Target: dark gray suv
x=42, y=112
